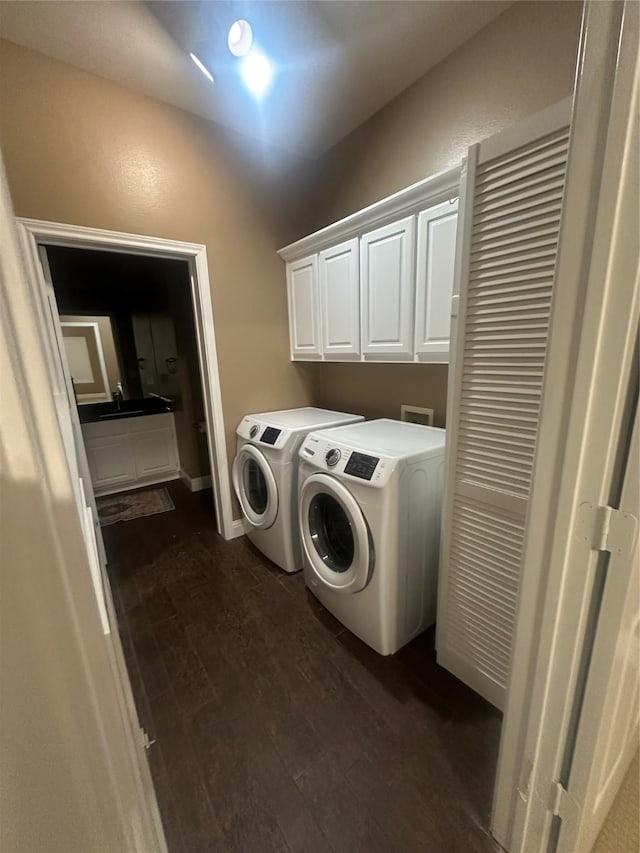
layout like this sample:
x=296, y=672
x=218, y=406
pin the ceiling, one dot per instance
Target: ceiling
x=337, y=62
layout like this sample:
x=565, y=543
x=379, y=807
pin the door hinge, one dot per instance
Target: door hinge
x=607, y=529
x=147, y=743
x=455, y=305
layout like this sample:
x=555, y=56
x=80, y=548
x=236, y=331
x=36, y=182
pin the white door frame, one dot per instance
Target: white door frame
x=589, y=364
x=33, y=233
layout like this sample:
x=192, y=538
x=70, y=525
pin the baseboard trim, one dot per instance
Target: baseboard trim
x=195, y=484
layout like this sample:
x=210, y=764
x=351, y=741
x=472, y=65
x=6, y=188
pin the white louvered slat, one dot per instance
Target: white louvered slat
x=512, y=216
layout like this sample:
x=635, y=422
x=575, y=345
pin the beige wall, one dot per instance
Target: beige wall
x=520, y=63
x=378, y=390
x=82, y=150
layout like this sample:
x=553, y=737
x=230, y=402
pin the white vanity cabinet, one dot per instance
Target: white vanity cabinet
x=378, y=285
x=127, y=452
x=304, y=308
x=436, y=248
x=339, y=280
x=387, y=262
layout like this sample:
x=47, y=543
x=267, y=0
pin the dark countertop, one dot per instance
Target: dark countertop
x=97, y=412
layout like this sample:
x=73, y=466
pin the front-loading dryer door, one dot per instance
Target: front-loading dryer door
x=255, y=487
x=335, y=534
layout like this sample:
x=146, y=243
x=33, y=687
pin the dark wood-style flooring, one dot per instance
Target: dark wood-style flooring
x=275, y=728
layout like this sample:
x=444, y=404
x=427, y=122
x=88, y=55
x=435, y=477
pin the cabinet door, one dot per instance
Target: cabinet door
x=387, y=263
x=110, y=460
x=339, y=274
x=154, y=451
x=434, y=280
x=154, y=446
x=304, y=308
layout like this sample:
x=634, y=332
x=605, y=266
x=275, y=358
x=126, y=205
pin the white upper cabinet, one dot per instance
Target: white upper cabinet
x=434, y=280
x=304, y=308
x=377, y=285
x=387, y=263
x=339, y=273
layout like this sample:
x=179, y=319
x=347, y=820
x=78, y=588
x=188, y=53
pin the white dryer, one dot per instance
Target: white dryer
x=369, y=511
x=265, y=477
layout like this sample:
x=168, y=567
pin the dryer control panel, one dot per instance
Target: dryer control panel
x=345, y=462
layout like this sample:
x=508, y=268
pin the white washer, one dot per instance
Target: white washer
x=265, y=477
x=369, y=513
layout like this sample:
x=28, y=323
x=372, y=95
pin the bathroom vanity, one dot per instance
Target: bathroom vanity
x=129, y=444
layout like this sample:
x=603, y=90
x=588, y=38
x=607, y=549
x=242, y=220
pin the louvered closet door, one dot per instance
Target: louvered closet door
x=508, y=237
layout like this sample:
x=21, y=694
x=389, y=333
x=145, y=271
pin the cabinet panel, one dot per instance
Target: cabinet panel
x=387, y=265
x=339, y=275
x=154, y=452
x=434, y=279
x=110, y=460
x=125, y=453
x=304, y=316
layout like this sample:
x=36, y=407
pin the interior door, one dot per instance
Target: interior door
x=88, y=515
x=508, y=231
x=607, y=734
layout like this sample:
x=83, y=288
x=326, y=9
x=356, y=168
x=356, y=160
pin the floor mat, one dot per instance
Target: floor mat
x=125, y=507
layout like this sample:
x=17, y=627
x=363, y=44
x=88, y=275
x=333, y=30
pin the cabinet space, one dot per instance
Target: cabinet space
x=377, y=286
x=387, y=262
x=339, y=275
x=304, y=308
x=110, y=461
x=131, y=451
x=436, y=246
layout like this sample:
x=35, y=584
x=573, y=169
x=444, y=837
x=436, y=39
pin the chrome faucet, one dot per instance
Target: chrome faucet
x=118, y=395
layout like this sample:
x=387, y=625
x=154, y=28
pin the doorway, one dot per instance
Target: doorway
x=129, y=338
x=38, y=238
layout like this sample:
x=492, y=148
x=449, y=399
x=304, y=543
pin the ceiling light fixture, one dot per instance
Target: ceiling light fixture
x=257, y=73
x=202, y=67
x=240, y=38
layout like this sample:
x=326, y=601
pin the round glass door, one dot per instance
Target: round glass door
x=255, y=487
x=335, y=534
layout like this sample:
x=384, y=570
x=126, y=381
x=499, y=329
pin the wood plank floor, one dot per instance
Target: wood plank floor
x=275, y=728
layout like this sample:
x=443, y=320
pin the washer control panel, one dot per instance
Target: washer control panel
x=270, y=435
x=261, y=433
x=360, y=465
x=346, y=463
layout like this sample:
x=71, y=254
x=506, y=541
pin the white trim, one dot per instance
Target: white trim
x=195, y=484
x=33, y=232
x=406, y=202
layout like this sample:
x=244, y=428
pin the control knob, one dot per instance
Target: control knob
x=255, y=429
x=333, y=457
